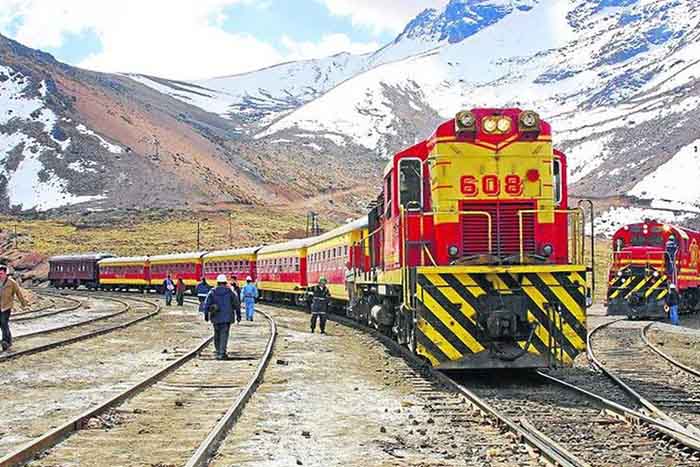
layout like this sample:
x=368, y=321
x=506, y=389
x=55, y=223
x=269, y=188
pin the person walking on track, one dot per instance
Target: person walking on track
x=249, y=293
x=9, y=289
x=672, y=301
x=219, y=308
x=319, y=297
x=237, y=290
x=202, y=291
x=168, y=290
x=180, y=289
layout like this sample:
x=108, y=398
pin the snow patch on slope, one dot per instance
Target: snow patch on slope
x=29, y=184
x=113, y=148
x=675, y=180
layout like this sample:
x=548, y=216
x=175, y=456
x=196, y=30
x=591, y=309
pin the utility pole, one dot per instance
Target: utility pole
x=312, y=226
x=15, y=236
x=230, y=231
x=156, y=146
x=198, y=235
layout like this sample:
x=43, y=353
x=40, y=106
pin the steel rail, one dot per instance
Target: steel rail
x=666, y=356
x=550, y=451
x=208, y=448
x=673, y=428
x=125, y=308
x=629, y=415
x=37, y=314
x=84, y=336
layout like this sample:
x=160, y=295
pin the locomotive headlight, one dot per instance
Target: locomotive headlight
x=547, y=250
x=490, y=124
x=453, y=251
x=503, y=124
x=619, y=273
x=529, y=121
x=465, y=121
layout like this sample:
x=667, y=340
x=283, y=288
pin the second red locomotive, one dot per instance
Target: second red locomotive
x=648, y=257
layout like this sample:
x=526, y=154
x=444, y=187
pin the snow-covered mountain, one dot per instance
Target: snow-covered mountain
x=619, y=80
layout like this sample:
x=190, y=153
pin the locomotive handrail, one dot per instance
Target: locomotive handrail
x=577, y=254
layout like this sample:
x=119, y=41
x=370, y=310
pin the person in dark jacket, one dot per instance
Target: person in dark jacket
x=180, y=290
x=672, y=302
x=220, y=305
x=237, y=290
x=202, y=291
x=168, y=290
x=319, y=297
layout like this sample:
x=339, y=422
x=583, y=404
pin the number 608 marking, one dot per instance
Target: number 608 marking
x=491, y=185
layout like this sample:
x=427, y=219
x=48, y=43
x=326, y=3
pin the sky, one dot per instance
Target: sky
x=193, y=39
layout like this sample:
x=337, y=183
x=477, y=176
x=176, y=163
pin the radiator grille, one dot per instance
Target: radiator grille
x=505, y=228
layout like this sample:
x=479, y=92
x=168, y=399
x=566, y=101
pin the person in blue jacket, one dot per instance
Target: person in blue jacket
x=219, y=308
x=249, y=293
x=168, y=290
x=202, y=291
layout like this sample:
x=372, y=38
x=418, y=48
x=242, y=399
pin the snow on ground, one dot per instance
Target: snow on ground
x=609, y=222
x=676, y=180
x=29, y=184
x=587, y=156
x=113, y=148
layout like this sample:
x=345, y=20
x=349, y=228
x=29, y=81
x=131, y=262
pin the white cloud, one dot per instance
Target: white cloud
x=180, y=39
x=328, y=45
x=381, y=15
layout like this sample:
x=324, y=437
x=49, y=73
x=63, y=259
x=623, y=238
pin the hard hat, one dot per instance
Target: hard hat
x=323, y=279
x=673, y=286
x=221, y=279
x=249, y=279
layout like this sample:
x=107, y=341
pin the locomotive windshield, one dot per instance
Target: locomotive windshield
x=410, y=183
x=654, y=236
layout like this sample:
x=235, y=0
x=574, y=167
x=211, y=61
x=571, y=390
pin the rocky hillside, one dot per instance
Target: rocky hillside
x=75, y=138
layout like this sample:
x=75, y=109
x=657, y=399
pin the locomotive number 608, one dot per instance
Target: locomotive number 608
x=491, y=185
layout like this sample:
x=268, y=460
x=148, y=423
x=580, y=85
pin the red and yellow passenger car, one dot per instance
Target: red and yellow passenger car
x=237, y=263
x=125, y=273
x=282, y=270
x=185, y=266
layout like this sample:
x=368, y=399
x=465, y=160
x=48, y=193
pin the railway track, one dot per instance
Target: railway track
x=51, y=309
x=57, y=336
x=192, y=403
x=561, y=423
x=659, y=387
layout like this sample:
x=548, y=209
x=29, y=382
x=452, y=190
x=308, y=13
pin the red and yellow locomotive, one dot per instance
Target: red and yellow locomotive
x=476, y=259
x=647, y=258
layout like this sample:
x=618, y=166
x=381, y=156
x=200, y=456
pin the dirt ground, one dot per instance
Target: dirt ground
x=342, y=400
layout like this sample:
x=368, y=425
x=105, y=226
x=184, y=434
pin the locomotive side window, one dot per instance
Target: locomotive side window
x=410, y=183
x=557, y=181
x=388, y=195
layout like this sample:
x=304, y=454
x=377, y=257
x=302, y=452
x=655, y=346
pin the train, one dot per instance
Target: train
x=647, y=257
x=470, y=255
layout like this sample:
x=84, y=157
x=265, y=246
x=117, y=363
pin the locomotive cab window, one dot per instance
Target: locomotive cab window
x=557, y=181
x=411, y=183
x=388, y=195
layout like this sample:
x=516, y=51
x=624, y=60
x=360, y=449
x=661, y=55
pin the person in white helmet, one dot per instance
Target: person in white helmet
x=219, y=308
x=249, y=293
